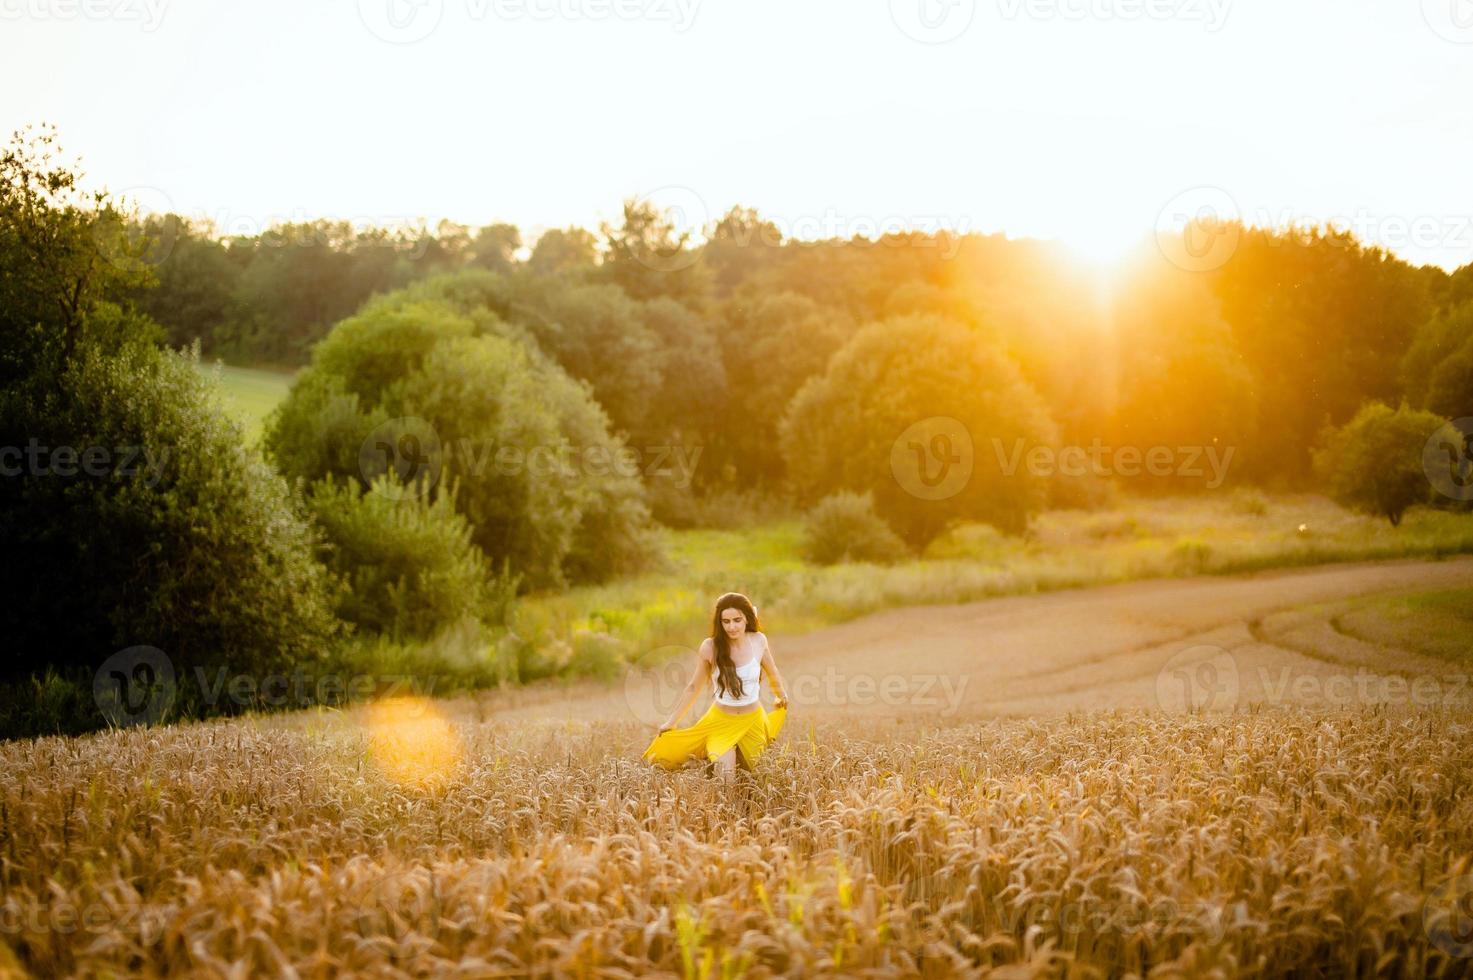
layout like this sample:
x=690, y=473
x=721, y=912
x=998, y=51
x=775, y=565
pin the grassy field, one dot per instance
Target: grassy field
x=596, y=628
x=249, y=394
x=414, y=838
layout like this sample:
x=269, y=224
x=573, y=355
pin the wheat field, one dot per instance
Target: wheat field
x=403, y=840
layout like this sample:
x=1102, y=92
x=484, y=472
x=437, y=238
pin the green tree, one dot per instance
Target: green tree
x=1374, y=462
x=844, y=527
x=408, y=559
x=1323, y=322
x=541, y=483
x=62, y=252
x=495, y=247
x=561, y=251
x=1176, y=378
x=1437, y=370
x=646, y=256
x=771, y=343
x=931, y=416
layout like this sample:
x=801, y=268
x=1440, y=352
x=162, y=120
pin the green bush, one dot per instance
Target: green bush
x=542, y=485
x=409, y=561
x=184, y=541
x=933, y=417
x=1246, y=500
x=1374, y=462
x=844, y=527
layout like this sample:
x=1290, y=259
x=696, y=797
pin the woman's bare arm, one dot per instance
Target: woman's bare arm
x=779, y=689
x=699, y=676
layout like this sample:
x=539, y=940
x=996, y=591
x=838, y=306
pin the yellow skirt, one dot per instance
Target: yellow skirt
x=714, y=733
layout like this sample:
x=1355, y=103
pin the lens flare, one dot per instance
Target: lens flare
x=411, y=742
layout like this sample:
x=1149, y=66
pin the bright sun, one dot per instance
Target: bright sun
x=1103, y=249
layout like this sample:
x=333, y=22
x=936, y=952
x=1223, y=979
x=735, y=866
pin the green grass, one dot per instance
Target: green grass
x=580, y=630
x=249, y=394
x=1437, y=623
x=1139, y=539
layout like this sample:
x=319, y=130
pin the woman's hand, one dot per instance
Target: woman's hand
x=779, y=703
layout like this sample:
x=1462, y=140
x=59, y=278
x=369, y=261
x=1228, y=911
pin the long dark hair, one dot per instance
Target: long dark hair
x=727, y=678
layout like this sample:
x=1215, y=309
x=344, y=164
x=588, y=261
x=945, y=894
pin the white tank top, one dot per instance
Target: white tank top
x=751, y=677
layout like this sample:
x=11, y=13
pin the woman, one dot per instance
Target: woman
x=735, y=729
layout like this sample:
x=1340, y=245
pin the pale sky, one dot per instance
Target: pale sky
x=1093, y=121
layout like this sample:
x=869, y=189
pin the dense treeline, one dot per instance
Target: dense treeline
x=1293, y=332
x=892, y=388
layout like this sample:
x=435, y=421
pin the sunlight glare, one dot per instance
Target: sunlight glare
x=411, y=742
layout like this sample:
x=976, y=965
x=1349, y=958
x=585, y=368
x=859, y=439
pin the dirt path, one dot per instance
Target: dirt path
x=1216, y=641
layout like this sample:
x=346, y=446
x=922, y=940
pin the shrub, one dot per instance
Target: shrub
x=1374, y=462
x=1246, y=500
x=185, y=541
x=844, y=527
x=476, y=396
x=409, y=562
x=930, y=415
